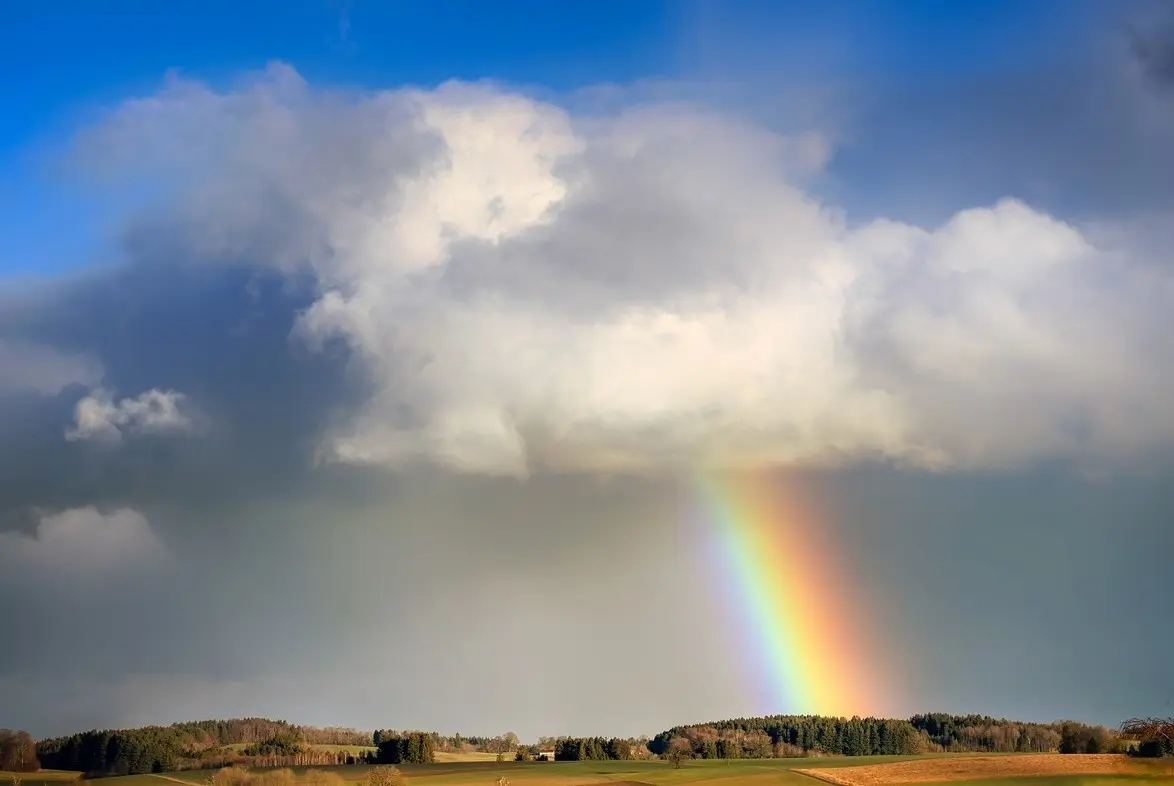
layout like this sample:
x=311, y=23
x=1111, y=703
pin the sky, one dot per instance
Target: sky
x=359, y=361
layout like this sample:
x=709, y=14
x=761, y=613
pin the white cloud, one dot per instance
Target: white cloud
x=527, y=289
x=83, y=542
x=35, y=368
x=98, y=416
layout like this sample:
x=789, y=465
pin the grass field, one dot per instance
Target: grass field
x=938, y=770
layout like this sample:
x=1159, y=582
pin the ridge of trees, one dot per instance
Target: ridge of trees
x=984, y=734
x=805, y=735
x=275, y=743
x=198, y=745
x=790, y=735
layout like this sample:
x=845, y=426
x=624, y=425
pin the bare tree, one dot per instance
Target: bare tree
x=679, y=750
x=18, y=751
x=1146, y=729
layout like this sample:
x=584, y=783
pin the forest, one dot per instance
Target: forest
x=197, y=745
x=800, y=735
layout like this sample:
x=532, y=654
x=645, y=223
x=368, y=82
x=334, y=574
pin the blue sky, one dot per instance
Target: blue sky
x=60, y=54
x=62, y=60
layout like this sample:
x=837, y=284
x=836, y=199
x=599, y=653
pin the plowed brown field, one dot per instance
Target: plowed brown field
x=964, y=768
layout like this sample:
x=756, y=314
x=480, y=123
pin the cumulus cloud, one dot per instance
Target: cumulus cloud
x=31, y=367
x=83, y=541
x=98, y=416
x=523, y=289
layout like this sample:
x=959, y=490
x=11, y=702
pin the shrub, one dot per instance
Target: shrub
x=385, y=775
x=239, y=776
x=679, y=750
x=231, y=776
x=785, y=750
x=1151, y=749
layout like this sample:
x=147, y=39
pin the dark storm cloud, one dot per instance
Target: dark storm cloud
x=222, y=337
x=1151, y=39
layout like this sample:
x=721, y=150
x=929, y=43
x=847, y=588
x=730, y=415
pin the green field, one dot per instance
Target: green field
x=743, y=772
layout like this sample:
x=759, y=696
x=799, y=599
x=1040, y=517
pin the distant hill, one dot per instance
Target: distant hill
x=202, y=744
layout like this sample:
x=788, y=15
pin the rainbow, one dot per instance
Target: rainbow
x=801, y=620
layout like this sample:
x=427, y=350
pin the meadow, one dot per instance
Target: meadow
x=926, y=770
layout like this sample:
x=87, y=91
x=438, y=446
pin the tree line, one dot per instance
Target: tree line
x=790, y=735
x=983, y=734
x=215, y=733
x=457, y=743
x=592, y=749
x=109, y=752
x=262, y=742
x=198, y=745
